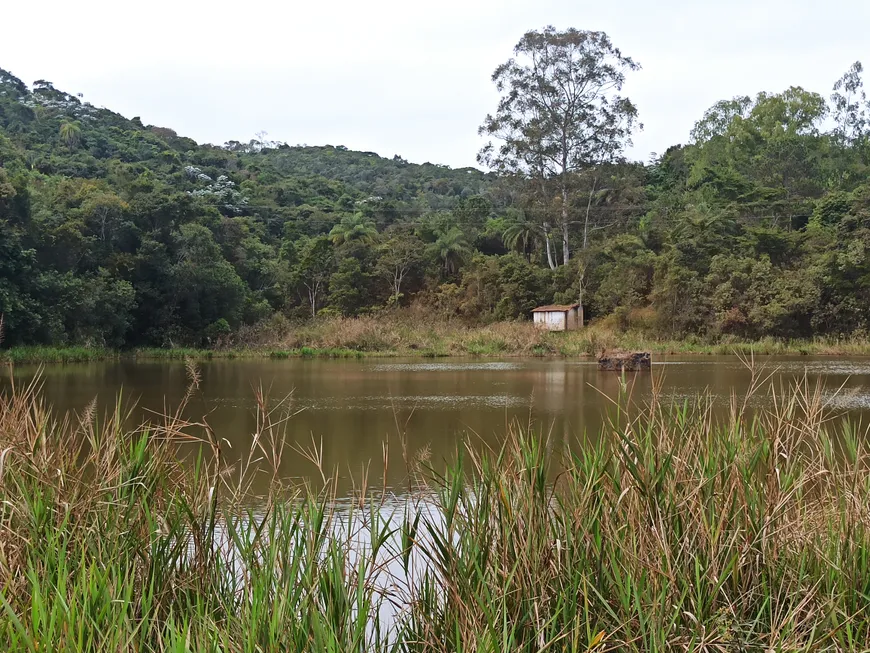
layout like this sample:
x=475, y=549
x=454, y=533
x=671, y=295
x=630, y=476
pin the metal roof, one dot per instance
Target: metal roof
x=555, y=308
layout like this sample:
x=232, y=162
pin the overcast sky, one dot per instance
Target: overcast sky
x=409, y=77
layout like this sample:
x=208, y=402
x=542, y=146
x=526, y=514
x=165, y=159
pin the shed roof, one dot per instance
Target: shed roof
x=555, y=308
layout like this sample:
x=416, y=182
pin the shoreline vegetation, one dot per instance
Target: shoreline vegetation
x=673, y=529
x=380, y=337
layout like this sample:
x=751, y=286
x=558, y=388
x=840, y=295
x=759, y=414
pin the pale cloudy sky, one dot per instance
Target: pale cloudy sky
x=406, y=77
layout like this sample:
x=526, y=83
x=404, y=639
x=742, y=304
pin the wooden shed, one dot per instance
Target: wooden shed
x=557, y=317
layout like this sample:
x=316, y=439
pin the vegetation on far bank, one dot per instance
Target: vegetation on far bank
x=131, y=236
x=407, y=337
x=672, y=529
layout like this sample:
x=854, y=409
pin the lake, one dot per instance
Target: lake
x=354, y=406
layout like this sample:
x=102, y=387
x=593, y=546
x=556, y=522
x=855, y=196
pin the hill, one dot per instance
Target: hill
x=121, y=233
x=115, y=233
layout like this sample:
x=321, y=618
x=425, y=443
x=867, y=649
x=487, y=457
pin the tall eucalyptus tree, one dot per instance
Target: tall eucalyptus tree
x=560, y=112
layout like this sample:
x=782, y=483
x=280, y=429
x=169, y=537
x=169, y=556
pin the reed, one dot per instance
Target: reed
x=45, y=354
x=113, y=541
x=677, y=527
x=673, y=530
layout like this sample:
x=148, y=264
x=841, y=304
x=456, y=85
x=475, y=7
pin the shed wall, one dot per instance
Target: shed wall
x=573, y=319
x=552, y=320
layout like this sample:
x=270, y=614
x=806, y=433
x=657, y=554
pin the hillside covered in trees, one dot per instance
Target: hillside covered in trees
x=120, y=234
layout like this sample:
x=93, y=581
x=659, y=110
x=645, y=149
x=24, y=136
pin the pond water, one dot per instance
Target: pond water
x=354, y=406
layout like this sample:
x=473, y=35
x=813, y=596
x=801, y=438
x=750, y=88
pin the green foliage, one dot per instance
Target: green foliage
x=116, y=234
x=316, y=261
x=204, y=286
x=624, y=274
x=559, y=116
x=349, y=286
x=449, y=248
x=355, y=228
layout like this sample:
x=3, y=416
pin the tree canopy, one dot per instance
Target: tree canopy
x=560, y=113
x=121, y=234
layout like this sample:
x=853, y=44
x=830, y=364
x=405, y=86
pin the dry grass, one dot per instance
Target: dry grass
x=416, y=334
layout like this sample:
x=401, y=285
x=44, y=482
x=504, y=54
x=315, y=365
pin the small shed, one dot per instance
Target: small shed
x=557, y=317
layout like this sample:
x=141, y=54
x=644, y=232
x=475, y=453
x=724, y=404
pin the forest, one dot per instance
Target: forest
x=114, y=233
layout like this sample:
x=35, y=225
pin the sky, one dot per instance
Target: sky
x=409, y=77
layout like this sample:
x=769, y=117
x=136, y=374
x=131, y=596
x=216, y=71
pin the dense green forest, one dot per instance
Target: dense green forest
x=120, y=234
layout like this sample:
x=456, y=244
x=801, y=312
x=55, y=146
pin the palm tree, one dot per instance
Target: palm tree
x=70, y=133
x=353, y=228
x=451, y=246
x=519, y=230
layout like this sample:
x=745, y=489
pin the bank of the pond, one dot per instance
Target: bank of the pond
x=370, y=336
x=672, y=530
x=85, y=354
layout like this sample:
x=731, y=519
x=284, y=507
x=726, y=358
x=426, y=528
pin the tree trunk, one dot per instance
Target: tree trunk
x=566, y=254
x=549, y=250
x=312, y=297
x=588, y=209
x=398, y=276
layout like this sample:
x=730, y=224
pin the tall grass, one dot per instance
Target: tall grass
x=672, y=531
x=110, y=542
x=411, y=334
x=45, y=354
x=407, y=334
x=675, y=528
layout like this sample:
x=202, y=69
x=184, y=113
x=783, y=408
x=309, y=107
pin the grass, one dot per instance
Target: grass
x=181, y=353
x=672, y=529
x=110, y=542
x=22, y=355
x=408, y=335
x=414, y=335
x=56, y=354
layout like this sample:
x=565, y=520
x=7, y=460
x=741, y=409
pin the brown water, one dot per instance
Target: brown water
x=354, y=406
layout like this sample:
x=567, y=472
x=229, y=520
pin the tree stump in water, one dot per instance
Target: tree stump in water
x=624, y=361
